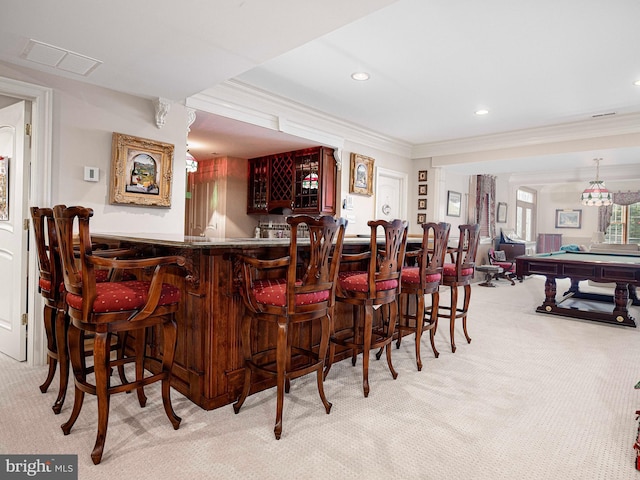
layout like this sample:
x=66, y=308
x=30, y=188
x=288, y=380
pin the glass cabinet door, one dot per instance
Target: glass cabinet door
x=258, y=181
x=306, y=181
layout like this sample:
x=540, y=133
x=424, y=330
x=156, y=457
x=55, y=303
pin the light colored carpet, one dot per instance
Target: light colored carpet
x=532, y=397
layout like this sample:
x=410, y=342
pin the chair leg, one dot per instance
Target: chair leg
x=435, y=304
x=281, y=361
x=61, y=331
x=393, y=318
x=291, y=333
x=403, y=319
x=245, y=331
x=322, y=352
x=332, y=346
x=101, y=349
x=169, y=335
x=139, y=345
x=356, y=316
x=452, y=317
x=122, y=345
x=366, y=346
x=419, y=325
x=76, y=353
x=467, y=299
x=49, y=328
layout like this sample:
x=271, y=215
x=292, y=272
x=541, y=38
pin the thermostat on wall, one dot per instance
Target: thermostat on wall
x=91, y=174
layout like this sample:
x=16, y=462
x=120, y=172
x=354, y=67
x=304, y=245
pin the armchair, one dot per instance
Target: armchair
x=499, y=258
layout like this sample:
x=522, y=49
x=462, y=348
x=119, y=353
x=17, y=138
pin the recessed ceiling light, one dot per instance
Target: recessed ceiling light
x=637, y=83
x=482, y=112
x=360, y=76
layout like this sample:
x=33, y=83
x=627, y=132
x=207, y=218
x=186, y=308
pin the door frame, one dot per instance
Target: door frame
x=39, y=193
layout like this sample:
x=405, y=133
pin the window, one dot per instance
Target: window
x=625, y=224
x=525, y=213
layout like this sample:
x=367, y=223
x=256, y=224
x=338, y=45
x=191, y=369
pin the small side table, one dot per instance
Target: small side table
x=490, y=271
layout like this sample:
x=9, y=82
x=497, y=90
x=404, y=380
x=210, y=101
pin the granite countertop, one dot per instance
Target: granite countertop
x=185, y=241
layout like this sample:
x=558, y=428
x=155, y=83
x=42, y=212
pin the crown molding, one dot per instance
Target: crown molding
x=589, y=129
x=237, y=100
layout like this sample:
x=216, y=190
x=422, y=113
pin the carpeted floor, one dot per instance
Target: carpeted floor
x=532, y=397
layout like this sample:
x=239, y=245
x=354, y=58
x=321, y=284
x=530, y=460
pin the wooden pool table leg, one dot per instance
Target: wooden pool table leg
x=550, y=291
x=621, y=299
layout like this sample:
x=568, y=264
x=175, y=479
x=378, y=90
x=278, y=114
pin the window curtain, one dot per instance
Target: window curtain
x=620, y=198
x=486, y=204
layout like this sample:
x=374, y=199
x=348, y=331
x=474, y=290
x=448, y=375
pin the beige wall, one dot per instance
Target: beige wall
x=84, y=118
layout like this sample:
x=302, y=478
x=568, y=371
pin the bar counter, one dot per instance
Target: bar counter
x=208, y=367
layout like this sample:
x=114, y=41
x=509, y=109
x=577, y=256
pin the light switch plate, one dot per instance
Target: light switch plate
x=91, y=174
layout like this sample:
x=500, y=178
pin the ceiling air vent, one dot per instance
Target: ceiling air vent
x=59, y=58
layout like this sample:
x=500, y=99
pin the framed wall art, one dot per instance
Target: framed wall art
x=568, y=218
x=422, y=176
x=422, y=218
x=361, y=178
x=501, y=215
x=454, y=203
x=422, y=189
x=141, y=171
x=422, y=204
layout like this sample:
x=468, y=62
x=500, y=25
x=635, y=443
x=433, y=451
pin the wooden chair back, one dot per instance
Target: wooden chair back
x=47, y=252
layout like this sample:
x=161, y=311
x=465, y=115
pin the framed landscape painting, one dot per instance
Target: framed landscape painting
x=568, y=218
x=141, y=171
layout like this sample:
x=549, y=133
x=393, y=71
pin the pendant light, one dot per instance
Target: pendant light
x=191, y=163
x=596, y=194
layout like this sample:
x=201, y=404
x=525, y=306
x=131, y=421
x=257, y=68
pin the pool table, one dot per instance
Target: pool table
x=623, y=270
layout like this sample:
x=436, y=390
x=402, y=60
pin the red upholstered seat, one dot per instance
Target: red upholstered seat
x=291, y=295
x=274, y=292
x=121, y=296
x=101, y=276
x=412, y=275
x=450, y=269
x=420, y=281
x=359, y=282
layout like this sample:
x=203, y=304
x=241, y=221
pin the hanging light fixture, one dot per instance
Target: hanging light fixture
x=191, y=163
x=596, y=194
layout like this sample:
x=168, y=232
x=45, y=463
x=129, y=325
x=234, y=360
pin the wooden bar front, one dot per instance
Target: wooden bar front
x=208, y=367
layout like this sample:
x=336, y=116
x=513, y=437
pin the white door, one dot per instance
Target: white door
x=391, y=196
x=13, y=235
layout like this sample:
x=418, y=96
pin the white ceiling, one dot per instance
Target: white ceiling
x=432, y=63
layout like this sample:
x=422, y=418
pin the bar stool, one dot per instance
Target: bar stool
x=287, y=292
x=49, y=283
x=51, y=287
x=107, y=308
x=420, y=280
x=459, y=273
x=367, y=280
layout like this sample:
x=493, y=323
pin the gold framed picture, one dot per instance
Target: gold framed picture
x=361, y=177
x=422, y=204
x=141, y=171
x=422, y=189
x=422, y=175
x=422, y=218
